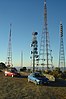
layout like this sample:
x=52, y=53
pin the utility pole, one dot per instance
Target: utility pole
x=61, y=51
x=45, y=57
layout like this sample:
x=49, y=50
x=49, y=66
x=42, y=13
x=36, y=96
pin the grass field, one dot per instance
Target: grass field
x=19, y=88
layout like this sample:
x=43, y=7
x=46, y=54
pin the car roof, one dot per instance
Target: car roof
x=35, y=73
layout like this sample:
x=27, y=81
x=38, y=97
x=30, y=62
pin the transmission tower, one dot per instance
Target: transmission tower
x=61, y=52
x=45, y=58
x=9, y=53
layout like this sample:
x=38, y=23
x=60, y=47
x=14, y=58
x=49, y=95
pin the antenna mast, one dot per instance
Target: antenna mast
x=34, y=51
x=21, y=58
x=9, y=56
x=45, y=58
x=61, y=52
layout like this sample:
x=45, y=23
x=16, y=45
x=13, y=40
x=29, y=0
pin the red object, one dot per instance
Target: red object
x=11, y=73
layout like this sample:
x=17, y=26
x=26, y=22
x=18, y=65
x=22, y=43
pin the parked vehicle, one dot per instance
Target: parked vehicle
x=11, y=72
x=37, y=78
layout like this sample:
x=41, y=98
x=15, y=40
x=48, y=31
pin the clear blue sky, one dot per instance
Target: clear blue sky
x=26, y=17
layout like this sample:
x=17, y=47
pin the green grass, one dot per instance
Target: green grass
x=19, y=88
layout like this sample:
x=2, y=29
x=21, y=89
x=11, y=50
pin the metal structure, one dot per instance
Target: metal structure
x=61, y=52
x=45, y=57
x=34, y=51
x=21, y=59
x=9, y=53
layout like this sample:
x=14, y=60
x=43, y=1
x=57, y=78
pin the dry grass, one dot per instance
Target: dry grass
x=19, y=88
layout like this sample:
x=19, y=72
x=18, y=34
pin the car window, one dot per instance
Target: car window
x=38, y=75
x=9, y=70
x=13, y=70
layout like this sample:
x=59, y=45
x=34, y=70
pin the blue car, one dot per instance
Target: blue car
x=37, y=78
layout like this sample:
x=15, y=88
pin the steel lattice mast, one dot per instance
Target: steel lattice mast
x=34, y=51
x=61, y=52
x=45, y=58
x=9, y=56
x=22, y=59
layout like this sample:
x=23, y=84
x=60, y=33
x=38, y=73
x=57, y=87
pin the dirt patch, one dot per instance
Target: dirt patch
x=19, y=88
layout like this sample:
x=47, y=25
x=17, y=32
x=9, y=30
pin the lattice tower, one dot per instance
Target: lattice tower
x=61, y=51
x=9, y=53
x=45, y=57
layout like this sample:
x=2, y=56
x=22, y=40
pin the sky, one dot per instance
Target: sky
x=26, y=17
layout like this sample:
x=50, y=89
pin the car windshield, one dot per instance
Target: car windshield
x=13, y=70
x=38, y=75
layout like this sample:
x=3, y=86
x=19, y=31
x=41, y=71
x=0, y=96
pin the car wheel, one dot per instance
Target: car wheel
x=12, y=75
x=28, y=80
x=35, y=82
x=5, y=74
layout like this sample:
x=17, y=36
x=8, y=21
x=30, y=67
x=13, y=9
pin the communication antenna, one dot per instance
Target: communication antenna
x=61, y=51
x=9, y=54
x=21, y=58
x=34, y=51
x=45, y=57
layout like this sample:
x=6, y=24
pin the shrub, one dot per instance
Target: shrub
x=23, y=69
x=47, y=71
x=64, y=75
x=57, y=73
x=2, y=66
x=29, y=70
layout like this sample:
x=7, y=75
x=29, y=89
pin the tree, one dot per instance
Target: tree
x=2, y=66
